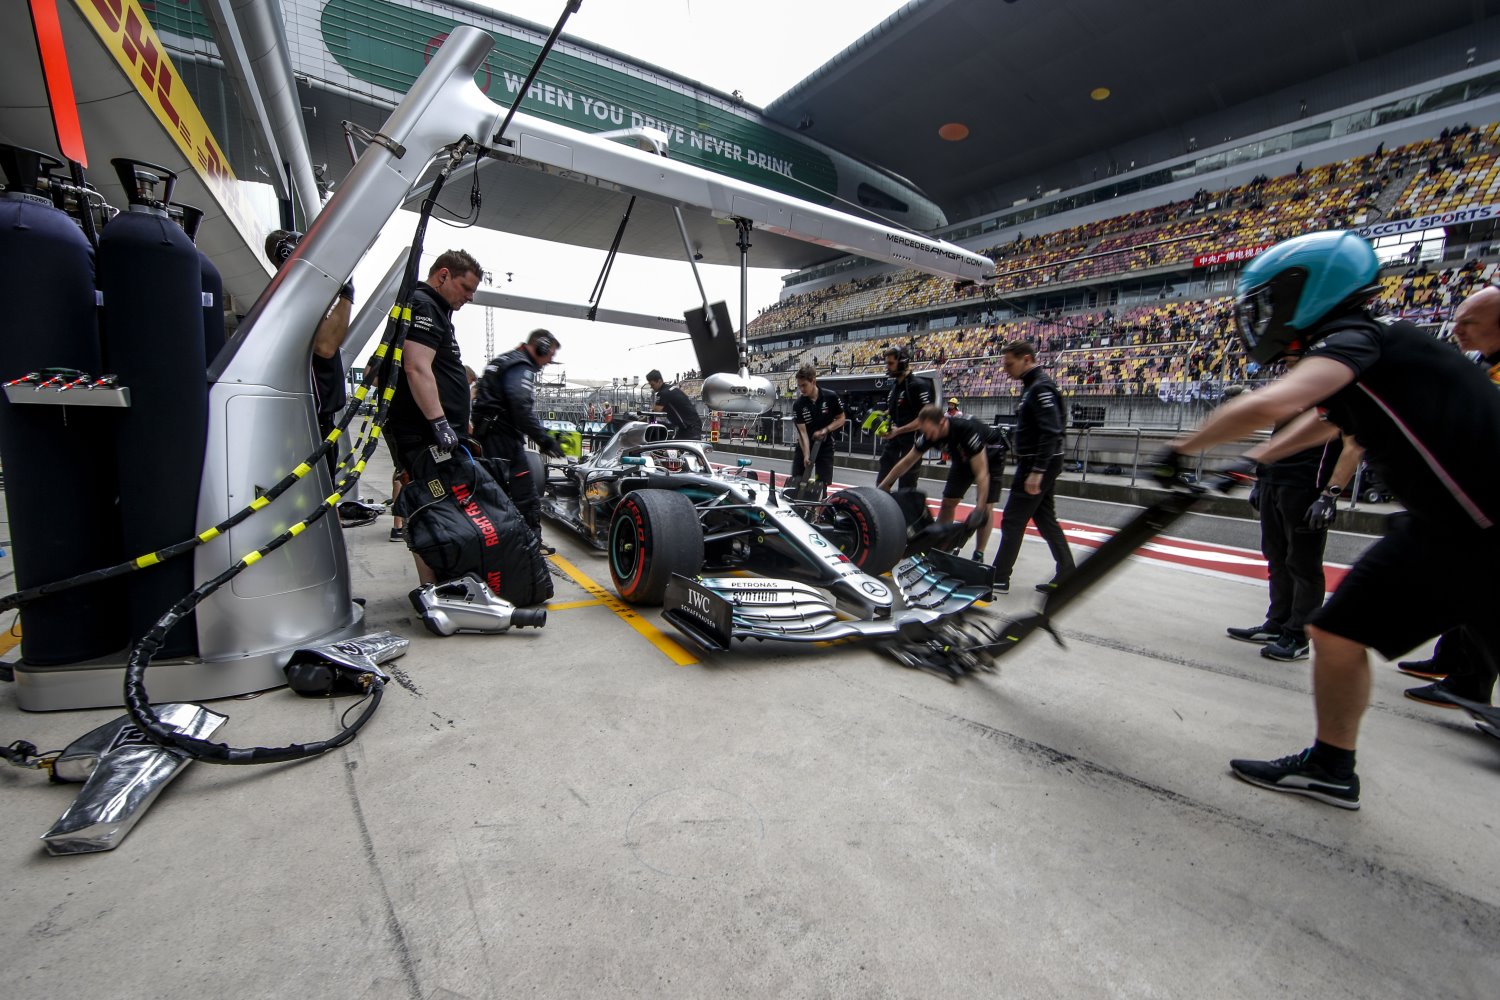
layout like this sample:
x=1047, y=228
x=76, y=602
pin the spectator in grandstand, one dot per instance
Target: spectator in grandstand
x=818, y=415
x=1038, y=440
x=1460, y=664
x=1427, y=420
x=682, y=415
x=953, y=410
x=978, y=452
x=908, y=394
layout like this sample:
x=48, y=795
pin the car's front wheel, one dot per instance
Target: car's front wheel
x=867, y=526
x=652, y=535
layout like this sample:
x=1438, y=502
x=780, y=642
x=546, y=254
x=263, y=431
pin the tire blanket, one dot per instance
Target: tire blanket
x=460, y=521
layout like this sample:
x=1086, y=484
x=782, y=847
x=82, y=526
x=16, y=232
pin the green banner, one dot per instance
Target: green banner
x=388, y=44
x=178, y=17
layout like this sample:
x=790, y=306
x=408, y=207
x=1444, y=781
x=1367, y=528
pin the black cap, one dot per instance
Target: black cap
x=280, y=244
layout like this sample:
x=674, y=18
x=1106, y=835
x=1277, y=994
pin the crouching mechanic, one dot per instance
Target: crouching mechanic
x=505, y=417
x=1429, y=422
x=978, y=458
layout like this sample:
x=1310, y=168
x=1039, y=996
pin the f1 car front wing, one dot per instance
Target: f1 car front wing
x=713, y=611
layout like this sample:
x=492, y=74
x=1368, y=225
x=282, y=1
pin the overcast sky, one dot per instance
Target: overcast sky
x=760, y=48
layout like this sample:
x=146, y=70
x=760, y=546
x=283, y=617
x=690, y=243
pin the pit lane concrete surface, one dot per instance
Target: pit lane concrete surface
x=597, y=810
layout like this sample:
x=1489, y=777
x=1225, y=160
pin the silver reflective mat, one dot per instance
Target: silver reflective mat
x=77, y=762
x=363, y=654
x=128, y=773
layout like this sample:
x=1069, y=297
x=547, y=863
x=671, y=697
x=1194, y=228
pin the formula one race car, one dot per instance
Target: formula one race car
x=666, y=517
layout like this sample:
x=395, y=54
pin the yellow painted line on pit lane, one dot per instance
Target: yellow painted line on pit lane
x=570, y=605
x=9, y=640
x=669, y=648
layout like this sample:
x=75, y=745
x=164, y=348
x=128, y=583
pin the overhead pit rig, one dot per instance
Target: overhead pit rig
x=260, y=411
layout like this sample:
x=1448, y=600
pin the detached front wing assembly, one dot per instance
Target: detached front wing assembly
x=714, y=611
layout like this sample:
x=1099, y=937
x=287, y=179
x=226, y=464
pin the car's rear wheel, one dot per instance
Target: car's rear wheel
x=652, y=535
x=868, y=527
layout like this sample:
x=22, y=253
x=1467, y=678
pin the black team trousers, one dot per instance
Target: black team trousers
x=1294, y=556
x=1022, y=508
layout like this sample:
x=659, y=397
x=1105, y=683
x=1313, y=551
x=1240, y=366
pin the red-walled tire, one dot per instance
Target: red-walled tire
x=874, y=520
x=653, y=534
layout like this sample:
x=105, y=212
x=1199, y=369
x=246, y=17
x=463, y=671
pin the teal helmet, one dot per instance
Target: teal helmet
x=1283, y=295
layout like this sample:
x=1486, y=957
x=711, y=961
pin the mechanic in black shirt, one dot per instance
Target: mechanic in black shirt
x=1429, y=422
x=1458, y=665
x=977, y=458
x=431, y=403
x=818, y=415
x=1039, y=459
x=1295, y=498
x=505, y=418
x=908, y=394
x=682, y=415
x=329, y=393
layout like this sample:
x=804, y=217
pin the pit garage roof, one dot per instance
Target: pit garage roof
x=1019, y=75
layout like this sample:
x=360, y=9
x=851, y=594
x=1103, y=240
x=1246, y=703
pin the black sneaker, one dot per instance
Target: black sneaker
x=545, y=549
x=1046, y=588
x=1001, y=586
x=1298, y=775
x=1260, y=633
x=1426, y=669
x=1286, y=649
x=1431, y=694
x=398, y=534
x=978, y=555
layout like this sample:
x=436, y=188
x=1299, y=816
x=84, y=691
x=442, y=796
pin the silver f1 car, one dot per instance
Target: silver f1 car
x=671, y=522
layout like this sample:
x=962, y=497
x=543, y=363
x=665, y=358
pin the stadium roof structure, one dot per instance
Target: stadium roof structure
x=1024, y=77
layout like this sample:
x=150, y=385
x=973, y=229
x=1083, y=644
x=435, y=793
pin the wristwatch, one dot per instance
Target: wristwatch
x=1334, y=491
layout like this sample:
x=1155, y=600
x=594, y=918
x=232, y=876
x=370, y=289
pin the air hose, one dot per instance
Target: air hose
x=137, y=701
x=388, y=353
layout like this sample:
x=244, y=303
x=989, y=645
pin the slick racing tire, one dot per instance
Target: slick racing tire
x=653, y=534
x=872, y=521
x=538, y=471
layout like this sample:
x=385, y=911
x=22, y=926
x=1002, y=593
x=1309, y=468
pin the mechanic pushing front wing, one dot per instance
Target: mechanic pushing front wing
x=712, y=611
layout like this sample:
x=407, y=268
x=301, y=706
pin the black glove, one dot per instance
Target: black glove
x=1254, y=497
x=1167, y=467
x=548, y=446
x=443, y=434
x=975, y=520
x=1319, y=516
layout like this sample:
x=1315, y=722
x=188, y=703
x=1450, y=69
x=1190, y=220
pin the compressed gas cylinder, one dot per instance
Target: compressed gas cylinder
x=58, y=460
x=151, y=284
x=212, y=284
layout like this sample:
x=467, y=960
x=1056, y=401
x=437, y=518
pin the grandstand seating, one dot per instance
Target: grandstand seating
x=1165, y=347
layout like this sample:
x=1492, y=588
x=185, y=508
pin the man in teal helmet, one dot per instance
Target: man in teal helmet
x=1429, y=422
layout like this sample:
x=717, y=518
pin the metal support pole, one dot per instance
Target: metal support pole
x=744, y=226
